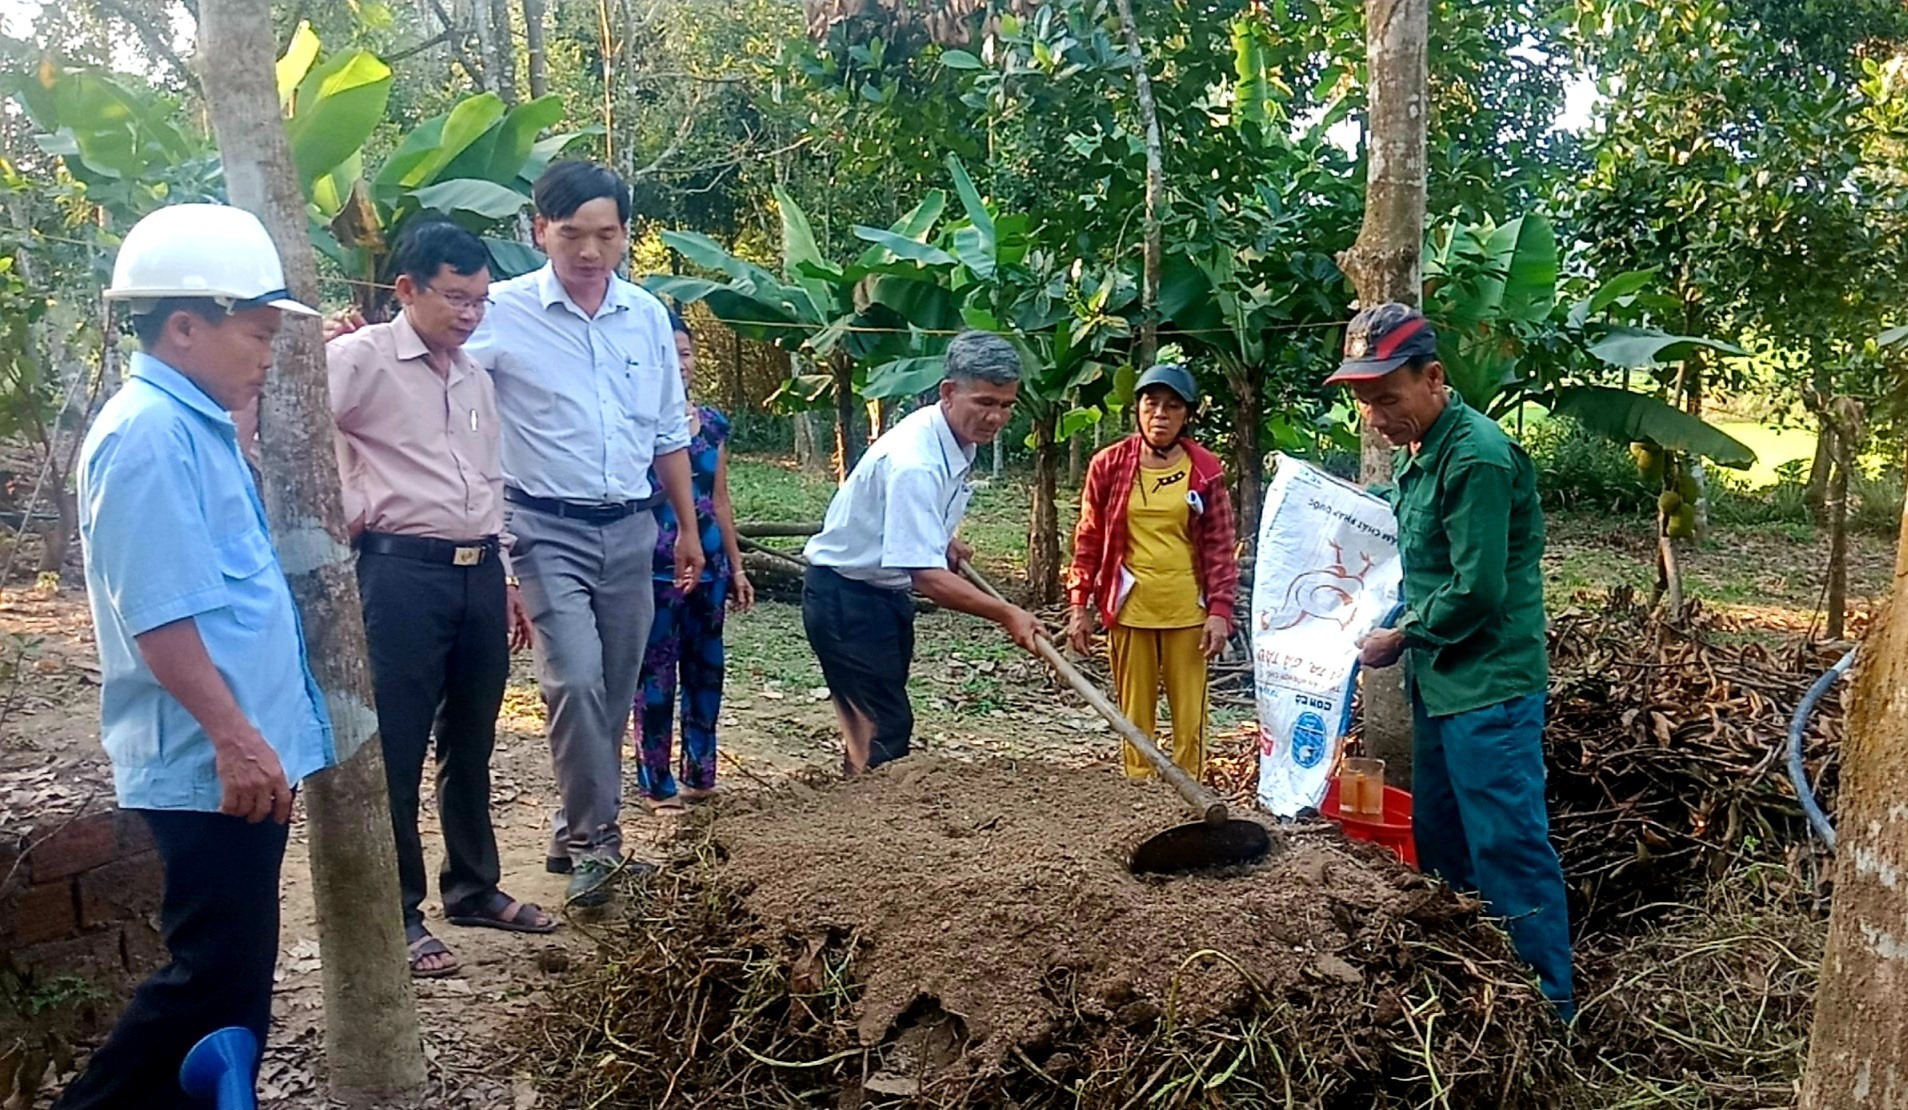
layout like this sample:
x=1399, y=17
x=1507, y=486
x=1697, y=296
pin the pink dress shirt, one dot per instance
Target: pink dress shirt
x=417, y=450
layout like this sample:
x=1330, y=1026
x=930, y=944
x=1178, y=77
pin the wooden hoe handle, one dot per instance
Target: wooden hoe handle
x=1196, y=796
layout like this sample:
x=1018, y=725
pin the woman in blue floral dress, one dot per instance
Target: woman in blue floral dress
x=685, y=650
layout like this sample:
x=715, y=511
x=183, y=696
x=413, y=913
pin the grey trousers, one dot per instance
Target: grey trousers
x=588, y=590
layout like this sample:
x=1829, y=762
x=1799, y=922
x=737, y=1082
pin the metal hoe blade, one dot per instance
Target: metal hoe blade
x=1201, y=846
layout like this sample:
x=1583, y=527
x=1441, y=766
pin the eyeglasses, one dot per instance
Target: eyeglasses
x=459, y=303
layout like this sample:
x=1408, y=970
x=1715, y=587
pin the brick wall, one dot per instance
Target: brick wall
x=83, y=906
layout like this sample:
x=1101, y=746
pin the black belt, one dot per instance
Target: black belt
x=429, y=549
x=589, y=512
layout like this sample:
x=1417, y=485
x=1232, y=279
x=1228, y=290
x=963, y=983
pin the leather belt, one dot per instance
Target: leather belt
x=589, y=512
x=429, y=549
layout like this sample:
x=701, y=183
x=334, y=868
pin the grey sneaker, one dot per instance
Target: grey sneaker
x=589, y=882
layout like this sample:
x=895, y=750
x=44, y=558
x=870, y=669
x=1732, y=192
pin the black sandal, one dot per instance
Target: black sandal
x=422, y=947
x=503, y=912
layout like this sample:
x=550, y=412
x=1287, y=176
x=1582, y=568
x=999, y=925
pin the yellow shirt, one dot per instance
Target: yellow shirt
x=1159, y=551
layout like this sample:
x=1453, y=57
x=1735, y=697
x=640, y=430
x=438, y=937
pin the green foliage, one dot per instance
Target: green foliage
x=1491, y=288
x=120, y=141
x=1739, y=156
x=1582, y=471
x=332, y=109
x=1627, y=417
x=474, y=163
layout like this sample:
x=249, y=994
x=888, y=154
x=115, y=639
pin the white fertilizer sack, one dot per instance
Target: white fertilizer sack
x=1327, y=573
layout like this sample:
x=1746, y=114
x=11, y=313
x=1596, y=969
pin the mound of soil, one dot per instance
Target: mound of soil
x=945, y=933
x=970, y=884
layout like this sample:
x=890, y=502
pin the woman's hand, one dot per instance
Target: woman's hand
x=1212, y=639
x=741, y=591
x=1079, y=630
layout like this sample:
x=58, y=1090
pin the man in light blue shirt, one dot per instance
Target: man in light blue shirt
x=208, y=709
x=589, y=396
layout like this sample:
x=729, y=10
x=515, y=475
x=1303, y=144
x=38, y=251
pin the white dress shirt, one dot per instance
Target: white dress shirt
x=898, y=510
x=587, y=402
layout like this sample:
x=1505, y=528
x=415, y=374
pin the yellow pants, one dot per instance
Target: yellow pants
x=1143, y=660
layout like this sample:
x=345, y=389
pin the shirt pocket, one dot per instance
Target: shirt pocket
x=249, y=566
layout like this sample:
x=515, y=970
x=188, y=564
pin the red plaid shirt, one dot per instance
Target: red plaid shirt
x=1099, y=540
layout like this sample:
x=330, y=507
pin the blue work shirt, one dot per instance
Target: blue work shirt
x=172, y=527
x=587, y=403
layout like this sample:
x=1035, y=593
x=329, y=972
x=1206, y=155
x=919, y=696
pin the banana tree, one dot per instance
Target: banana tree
x=1061, y=317
x=475, y=164
x=1240, y=317
x=825, y=313
x=1666, y=442
x=1067, y=329
x=1492, y=290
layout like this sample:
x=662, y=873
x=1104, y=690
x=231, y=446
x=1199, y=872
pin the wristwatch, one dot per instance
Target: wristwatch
x=510, y=581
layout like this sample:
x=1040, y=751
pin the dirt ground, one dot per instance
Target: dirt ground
x=976, y=698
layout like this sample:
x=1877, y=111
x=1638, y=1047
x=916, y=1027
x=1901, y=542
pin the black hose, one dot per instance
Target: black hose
x=1799, y=775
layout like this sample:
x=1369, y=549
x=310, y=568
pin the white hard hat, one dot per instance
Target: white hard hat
x=202, y=250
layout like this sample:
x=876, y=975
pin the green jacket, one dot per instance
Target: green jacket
x=1471, y=535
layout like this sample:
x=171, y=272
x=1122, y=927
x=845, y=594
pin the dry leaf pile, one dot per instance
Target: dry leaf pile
x=1665, y=751
x=1666, y=755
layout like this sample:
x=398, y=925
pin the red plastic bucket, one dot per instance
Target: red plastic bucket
x=1394, y=831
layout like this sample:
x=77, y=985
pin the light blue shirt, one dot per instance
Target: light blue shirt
x=172, y=527
x=587, y=403
x=900, y=507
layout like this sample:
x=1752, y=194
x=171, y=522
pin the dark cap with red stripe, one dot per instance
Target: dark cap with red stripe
x=1382, y=338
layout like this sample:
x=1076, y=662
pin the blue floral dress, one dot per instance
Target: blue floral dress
x=685, y=660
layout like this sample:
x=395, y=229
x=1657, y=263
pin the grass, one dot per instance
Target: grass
x=1774, y=446
x=765, y=488
x=1769, y=571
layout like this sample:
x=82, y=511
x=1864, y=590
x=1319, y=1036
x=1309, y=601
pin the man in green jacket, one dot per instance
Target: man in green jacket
x=1471, y=536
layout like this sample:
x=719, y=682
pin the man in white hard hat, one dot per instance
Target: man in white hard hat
x=208, y=708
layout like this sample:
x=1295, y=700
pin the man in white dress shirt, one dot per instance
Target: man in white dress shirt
x=589, y=397
x=889, y=530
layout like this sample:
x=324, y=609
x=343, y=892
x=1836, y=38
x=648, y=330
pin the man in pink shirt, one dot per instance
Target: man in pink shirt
x=423, y=488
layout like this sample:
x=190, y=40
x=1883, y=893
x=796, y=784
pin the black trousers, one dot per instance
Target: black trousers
x=864, y=637
x=440, y=655
x=220, y=921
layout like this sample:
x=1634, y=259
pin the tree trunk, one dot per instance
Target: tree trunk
x=738, y=385
x=533, y=48
x=1845, y=421
x=1076, y=458
x=1669, y=573
x=1858, y=1049
x=59, y=540
x=486, y=44
x=878, y=409
x=847, y=444
x=1837, y=506
x=999, y=456
x=502, y=57
x=1248, y=459
x=1816, y=396
x=374, y=1055
x=1043, y=521
x=1383, y=265
x=1815, y=495
x=1155, y=187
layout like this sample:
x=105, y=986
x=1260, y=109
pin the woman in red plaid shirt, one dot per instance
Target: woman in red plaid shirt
x=1156, y=556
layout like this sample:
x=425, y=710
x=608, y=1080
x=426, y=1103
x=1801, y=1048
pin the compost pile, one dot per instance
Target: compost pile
x=1666, y=756
x=949, y=934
